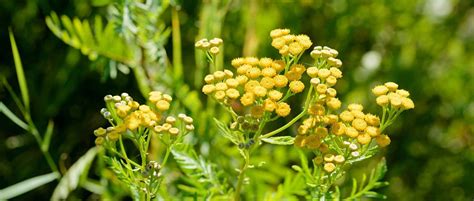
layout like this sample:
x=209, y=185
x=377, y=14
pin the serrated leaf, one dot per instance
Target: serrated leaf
x=27, y=185
x=71, y=179
x=381, y=169
x=19, y=72
x=280, y=140
x=4, y=109
x=226, y=132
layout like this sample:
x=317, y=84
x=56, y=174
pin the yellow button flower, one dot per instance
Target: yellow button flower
x=247, y=99
x=280, y=81
x=232, y=93
x=283, y=109
x=296, y=86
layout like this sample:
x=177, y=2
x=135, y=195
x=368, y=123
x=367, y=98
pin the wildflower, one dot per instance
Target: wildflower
x=219, y=75
x=382, y=100
x=269, y=105
x=339, y=159
x=359, y=124
x=247, y=99
x=100, y=132
x=280, y=81
x=237, y=62
x=372, y=131
x=335, y=72
x=99, y=141
x=260, y=91
x=219, y=95
x=331, y=80
x=380, y=90
x=407, y=103
x=269, y=72
x=321, y=88
x=173, y=131
x=323, y=73
x=383, y=140
x=207, y=89
x=328, y=157
x=278, y=65
x=351, y=132
x=163, y=105
x=296, y=86
x=312, y=72
x=283, y=109
x=214, y=50
x=338, y=128
x=275, y=95
x=232, y=93
x=333, y=103
x=364, y=138
x=267, y=82
x=372, y=120
x=208, y=79
x=346, y=116
x=253, y=73
x=329, y=167
x=391, y=86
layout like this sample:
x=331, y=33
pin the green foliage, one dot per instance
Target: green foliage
x=27, y=185
x=363, y=189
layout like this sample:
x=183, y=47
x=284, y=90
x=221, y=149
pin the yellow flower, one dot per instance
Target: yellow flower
x=250, y=85
x=252, y=61
x=392, y=86
x=359, y=124
x=219, y=75
x=312, y=72
x=253, y=73
x=267, y=82
x=278, y=43
x=232, y=93
x=346, y=116
x=266, y=62
x=403, y=93
x=237, y=62
x=269, y=105
x=372, y=131
x=382, y=100
x=269, y=72
x=285, y=50
x=331, y=80
x=329, y=167
x=122, y=110
x=328, y=157
x=283, y=109
x=383, y=140
x=247, y=99
x=380, y=90
x=173, y=131
x=221, y=86
x=338, y=128
x=292, y=75
x=372, y=120
x=304, y=40
x=99, y=141
x=242, y=70
x=232, y=82
x=280, y=81
x=364, y=138
x=162, y=105
x=208, y=88
x=339, y=159
x=278, y=65
x=219, y=95
x=335, y=72
x=331, y=92
x=351, y=132
x=298, y=68
x=333, y=103
x=100, y=132
x=257, y=111
x=358, y=114
x=214, y=50
x=242, y=79
x=321, y=88
x=275, y=95
x=296, y=86
x=260, y=91
x=279, y=32
x=323, y=73
x=355, y=107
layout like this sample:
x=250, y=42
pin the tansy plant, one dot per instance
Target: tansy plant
x=139, y=124
x=256, y=92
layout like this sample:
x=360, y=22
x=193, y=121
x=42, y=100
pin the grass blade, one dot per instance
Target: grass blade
x=27, y=185
x=4, y=109
x=19, y=72
x=47, y=136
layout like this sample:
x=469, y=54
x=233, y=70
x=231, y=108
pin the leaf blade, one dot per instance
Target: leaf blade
x=27, y=185
x=4, y=109
x=19, y=72
x=280, y=140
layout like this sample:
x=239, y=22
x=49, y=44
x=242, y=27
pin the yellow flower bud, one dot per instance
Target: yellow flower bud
x=252, y=61
x=250, y=85
x=304, y=40
x=275, y=95
x=333, y=103
x=232, y=93
x=253, y=73
x=323, y=73
x=280, y=81
x=144, y=108
x=232, y=82
x=331, y=92
x=188, y=120
x=269, y=105
x=283, y=109
x=380, y=90
x=372, y=131
x=383, y=140
x=358, y=114
x=247, y=99
x=403, y=93
x=114, y=136
x=99, y=141
x=260, y=91
x=173, y=131
x=396, y=101
x=295, y=48
x=329, y=167
x=355, y=107
x=279, y=32
x=359, y=124
x=296, y=86
x=312, y=72
x=312, y=142
x=338, y=128
x=382, y=100
x=372, y=120
x=364, y=138
x=242, y=79
x=214, y=50
x=331, y=80
x=162, y=105
x=328, y=157
x=315, y=81
x=228, y=73
x=321, y=132
x=321, y=88
x=219, y=95
x=407, y=103
x=267, y=82
x=302, y=129
x=269, y=72
x=351, y=132
x=316, y=109
x=219, y=75
x=339, y=159
x=278, y=43
x=392, y=86
x=266, y=62
x=237, y=62
x=100, y=132
x=242, y=70
x=292, y=75
x=278, y=65
x=346, y=116
x=208, y=88
x=122, y=110
x=336, y=72
x=134, y=104
x=221, y=86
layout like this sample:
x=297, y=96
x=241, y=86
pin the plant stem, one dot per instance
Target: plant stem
x=242, y=176
x=39, y=140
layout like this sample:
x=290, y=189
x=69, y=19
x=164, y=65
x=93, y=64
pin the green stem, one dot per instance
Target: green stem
x=177, y=57
x=241, y=177
x=39, y=140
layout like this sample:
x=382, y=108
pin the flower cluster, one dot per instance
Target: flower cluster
x=389, y=95
x=125, y=114
x=257, y=85
x=211, y=46
x=289, y=44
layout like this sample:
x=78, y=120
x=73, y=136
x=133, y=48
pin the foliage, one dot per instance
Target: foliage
x=423, y=45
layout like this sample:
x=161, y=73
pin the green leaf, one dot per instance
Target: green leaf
x=19, y=72
x=226, y=132
x=47, y=136
x=71, y=179
x=280, y=140
x=381, y=169
x=27, y=185
x=372, y=194
x=4, y=109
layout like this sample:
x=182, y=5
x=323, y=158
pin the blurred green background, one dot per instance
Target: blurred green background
x=426, y=46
